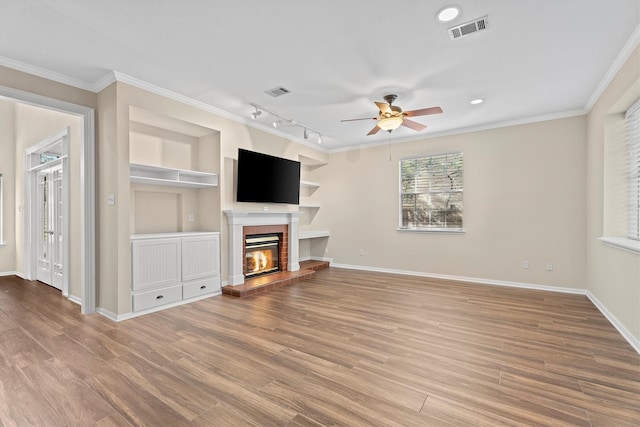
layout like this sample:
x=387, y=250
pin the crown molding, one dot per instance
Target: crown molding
x=622, y=57
x=459, y=131
x=149, y=87
x=45, y=74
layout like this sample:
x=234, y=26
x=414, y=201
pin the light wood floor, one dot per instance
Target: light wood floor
x=345, y=348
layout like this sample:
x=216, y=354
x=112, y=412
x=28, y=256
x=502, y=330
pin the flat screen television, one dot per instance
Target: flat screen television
x=267, y=179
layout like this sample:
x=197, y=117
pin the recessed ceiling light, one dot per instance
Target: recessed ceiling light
x=477, y=101
x=447, y=14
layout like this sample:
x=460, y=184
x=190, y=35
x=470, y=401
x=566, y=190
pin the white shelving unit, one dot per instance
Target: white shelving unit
x=156, y=175
x=309, y=184
x=305, y=235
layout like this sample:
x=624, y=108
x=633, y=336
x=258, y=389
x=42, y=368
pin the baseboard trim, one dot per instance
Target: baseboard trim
x=9, y=273
x=75, y=299
x=126, y=316
x=561, y=289
x=635, y=343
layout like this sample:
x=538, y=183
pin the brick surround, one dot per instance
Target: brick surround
x=281, y=230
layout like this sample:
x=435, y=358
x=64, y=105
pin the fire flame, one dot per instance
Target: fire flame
x=258, y=261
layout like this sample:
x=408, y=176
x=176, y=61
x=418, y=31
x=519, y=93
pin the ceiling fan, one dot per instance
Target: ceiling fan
x=390, y=117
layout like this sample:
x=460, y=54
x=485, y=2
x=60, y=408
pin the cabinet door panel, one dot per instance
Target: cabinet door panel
x=200, y=257
x=155, y=263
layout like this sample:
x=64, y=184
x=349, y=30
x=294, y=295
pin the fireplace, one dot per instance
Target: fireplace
x=242, y=224
x=262, y=254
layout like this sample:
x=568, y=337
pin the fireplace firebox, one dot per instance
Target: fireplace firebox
x=262, y=253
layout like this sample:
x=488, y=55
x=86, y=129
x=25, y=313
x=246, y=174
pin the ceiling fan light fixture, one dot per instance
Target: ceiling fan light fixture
x=448, y=13
x=390, y=123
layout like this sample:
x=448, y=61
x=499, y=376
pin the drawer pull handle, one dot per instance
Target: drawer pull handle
x=203, y=286
x=160, y=297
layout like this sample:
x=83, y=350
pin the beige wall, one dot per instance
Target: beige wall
x=524, y=197
x=613, y=275
x=7, y=169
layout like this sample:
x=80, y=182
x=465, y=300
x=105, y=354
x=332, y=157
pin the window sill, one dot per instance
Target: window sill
x=434, y=230
x=623, y=243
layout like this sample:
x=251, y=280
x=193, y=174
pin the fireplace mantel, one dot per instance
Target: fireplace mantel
x=236, y=220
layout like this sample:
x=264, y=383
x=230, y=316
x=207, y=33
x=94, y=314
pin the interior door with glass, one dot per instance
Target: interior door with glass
x=49, y=232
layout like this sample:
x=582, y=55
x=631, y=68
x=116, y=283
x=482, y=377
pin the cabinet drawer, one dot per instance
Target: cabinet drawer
x=155, y=298
x=201, y=287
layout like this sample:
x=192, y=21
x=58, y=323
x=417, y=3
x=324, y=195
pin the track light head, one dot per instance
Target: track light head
x=255, y=114
x=306, y=133
x=276, y=123
x=319, y=139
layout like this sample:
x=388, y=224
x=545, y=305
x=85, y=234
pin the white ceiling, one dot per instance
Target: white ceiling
x=539, y=58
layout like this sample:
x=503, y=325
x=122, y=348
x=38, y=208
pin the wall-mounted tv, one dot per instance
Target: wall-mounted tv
x=267, y=179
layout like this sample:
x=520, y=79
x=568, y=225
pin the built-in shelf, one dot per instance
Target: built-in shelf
x=303, y=235
x=308, y=206
x=308, y=161
x=156, y=175
x=309, y=184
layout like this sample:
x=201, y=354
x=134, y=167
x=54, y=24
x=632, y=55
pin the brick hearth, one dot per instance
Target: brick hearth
x=272, y=281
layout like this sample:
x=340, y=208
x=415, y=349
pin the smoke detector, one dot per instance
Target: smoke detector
x=467, y=28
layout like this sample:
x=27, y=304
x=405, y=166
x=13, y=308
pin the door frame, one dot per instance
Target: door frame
x=31, y=217
x=87, y=184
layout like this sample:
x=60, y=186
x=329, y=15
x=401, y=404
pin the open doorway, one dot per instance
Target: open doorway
x=77, y=271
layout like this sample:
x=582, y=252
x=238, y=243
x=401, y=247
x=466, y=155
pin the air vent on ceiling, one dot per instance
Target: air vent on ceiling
x=469, y=28
x=277, y=91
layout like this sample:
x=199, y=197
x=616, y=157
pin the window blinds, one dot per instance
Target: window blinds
x=431, y=192
x=632, y=118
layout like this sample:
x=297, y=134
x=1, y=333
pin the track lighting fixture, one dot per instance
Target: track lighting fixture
x=256, y=113
x=279, y=120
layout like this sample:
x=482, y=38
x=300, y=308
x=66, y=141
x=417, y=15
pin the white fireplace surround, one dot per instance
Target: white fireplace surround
x=239, y=219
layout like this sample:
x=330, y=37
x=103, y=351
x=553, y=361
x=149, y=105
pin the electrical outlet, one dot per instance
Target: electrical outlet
x=361, y=252
x=266, y=208
x=191, y=218
x=549, y=266
x=525, y=264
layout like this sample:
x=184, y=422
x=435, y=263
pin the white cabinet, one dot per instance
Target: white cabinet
x=173, y=267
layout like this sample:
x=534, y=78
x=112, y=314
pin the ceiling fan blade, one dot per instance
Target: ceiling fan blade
x=364, y=118
x=383, y=107
x=413, y=125
x=374, y=130
x=423, y=112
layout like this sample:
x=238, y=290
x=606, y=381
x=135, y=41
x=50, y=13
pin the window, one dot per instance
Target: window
x=431, y=192
x=632, y=118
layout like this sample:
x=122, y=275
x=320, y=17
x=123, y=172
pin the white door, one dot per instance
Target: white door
x=49, y=235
